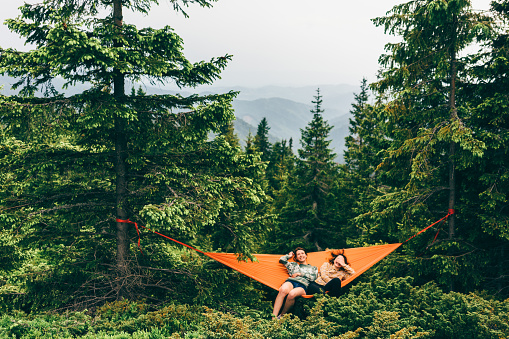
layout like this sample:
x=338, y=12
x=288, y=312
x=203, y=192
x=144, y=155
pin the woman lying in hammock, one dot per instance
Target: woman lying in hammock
x=331, y=274
x=301, y=274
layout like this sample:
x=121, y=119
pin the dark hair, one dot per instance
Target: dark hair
x=295, y=252
x=337, y=253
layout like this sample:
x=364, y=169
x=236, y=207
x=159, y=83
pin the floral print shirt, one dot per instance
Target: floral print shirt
x=308, y=272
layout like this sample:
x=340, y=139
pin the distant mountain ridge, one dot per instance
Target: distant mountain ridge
x=286, y=118
x=287, y=109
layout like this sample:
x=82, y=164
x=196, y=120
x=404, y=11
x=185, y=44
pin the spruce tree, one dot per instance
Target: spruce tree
x=309, y=216
x=485, y=180
x=422, y=75
x=426, y=118
x=366, y=135
x=362, y=156
x=261, y=139
x=76, y=167
x=228, y=132
x=280, y=166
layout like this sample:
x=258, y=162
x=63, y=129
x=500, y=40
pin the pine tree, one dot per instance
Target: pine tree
x=422, y=75
x=280, y=166
x=261, y=139
x=485, y=181
x=80, y=165
x=362, y=156
x=366, y=137
x=430, y=135
x=309, y=216
x=228, y=132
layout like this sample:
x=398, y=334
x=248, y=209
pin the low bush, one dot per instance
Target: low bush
x=371, y=309
x=427, y=308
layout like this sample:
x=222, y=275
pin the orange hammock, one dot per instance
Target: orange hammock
x=270, y=272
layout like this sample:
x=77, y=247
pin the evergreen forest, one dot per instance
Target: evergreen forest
x=90, y=181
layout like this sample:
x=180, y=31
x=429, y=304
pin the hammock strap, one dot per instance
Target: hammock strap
x=137, y=230
x=162, y=235
x=451, y=212
x=127, y=221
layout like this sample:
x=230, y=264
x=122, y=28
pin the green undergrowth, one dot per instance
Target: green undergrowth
x=393, y=308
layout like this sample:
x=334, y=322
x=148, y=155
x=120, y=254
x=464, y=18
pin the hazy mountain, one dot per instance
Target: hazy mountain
x=287, y=109
x=286, y=118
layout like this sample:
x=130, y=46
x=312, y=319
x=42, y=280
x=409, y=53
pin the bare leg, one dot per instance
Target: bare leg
x=283, y=291
x=290, y=300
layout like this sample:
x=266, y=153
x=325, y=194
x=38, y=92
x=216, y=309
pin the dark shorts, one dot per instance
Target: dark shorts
x=297, y=284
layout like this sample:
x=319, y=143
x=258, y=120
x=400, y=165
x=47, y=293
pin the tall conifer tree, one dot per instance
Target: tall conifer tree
x=366, y=136
x=486, y=180
x=362, y=156
x=228, y=132
x=421, y=73
x=426, y=119
x=81, y=165
x=309, y=217
x=261, y=139
x=280, y=166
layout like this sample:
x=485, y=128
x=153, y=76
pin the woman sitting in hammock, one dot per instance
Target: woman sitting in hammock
x=301, y=274
x=331, y=274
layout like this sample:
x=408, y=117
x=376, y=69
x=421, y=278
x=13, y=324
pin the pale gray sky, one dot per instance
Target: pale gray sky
x=273, y=42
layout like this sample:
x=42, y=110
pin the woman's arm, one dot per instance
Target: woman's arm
x=349, y=271
x=284, y=259
x=290, y=266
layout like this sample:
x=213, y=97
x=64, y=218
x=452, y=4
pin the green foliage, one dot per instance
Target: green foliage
x=392, y=305
x=280, y=167
x=261, y=140
x=69, y=325
x=361, y=180
x=132, y=317
x=116, y=320
x=376, y=308
x=72, y=165
x=230, y=136
x=432, y=143
x=308, y=204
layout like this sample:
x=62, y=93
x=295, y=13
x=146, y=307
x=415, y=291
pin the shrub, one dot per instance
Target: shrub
x=47, y=325
x=372, y=309
x=427, y=309
x=130, y=317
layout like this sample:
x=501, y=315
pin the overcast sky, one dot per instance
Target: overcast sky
x=273, y=42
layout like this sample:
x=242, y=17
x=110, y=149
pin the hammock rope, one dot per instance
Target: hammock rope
x=450, y=212
x=268, y=271
x=127, y=221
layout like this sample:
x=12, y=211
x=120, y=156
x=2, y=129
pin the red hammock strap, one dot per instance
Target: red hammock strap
x=162, y=235
x=137, y=230
x=451, y=212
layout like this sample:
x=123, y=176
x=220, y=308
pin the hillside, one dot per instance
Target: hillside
x=286, y=118
x=287, y=109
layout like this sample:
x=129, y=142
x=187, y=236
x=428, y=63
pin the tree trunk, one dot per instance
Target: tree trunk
x=452, y=146
x=120, y=167
x=452, y=188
